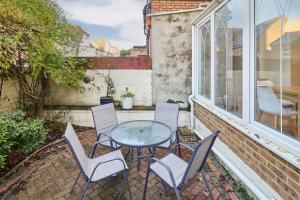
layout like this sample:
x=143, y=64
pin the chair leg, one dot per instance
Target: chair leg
x=122, y=186
x=84, y=190
x=139, y=159
x=275, y=122
x=126, y=178
x=179, y=148
x=153, y=152
x=95, y=147
x=127, y=154
x=177, y=194
x=150, y=151
x=94, y=150
x=75, y=182
x=146, y=181
x=207, y=186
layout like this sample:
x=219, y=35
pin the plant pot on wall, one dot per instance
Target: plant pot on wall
x=105, y=100
x=127, y=99
x=127, y=103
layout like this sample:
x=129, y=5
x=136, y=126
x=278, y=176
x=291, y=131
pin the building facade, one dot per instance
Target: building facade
x=246, y=62
x=169, y=45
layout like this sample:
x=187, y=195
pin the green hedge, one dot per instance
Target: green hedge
x=19, y=132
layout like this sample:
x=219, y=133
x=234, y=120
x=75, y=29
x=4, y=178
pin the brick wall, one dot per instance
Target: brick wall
x=159, y=6
x=283, y=177
x=139, y=62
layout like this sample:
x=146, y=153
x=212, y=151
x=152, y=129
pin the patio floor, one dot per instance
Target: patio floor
x=54, y=178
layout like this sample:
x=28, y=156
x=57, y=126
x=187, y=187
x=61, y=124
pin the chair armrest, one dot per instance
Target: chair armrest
x=184, y=145
x=165, y=166
x=111, y=160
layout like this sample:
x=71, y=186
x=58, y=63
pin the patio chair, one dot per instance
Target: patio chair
x=175, y=172
x=105, y=119
x=95, y=169
x=167, y=113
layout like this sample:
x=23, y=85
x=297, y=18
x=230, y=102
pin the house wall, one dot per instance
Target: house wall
x=171, y=51
x=282, y=176
x=138, y=81
x=9, y=95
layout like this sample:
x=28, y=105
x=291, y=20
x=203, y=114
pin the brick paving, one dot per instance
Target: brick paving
x=55, y=177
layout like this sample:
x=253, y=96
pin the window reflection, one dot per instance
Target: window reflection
x=277, y=30
x=229, y=57
x=205, y=60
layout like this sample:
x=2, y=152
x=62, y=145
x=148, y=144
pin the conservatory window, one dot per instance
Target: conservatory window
x=277, y=38
x=229, y=57
x=204, y=43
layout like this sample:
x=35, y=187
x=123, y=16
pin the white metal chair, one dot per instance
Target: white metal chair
x=175, y=172
x=105, y=119
x=95, y=169
x=167, y=113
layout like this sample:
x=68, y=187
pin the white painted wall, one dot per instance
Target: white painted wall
x=138, y=81
x=85, y=118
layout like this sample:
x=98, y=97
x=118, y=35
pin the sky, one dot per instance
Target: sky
x=119, y=21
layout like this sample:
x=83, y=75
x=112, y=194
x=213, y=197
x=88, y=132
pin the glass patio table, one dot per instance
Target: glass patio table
x=141, y=134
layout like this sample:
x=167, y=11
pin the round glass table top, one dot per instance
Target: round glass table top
x=141, y=133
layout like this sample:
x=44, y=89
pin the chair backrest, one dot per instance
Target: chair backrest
x=105, y=118
x=199, y=156
x=167, y=113
x=76, y=148
x=267, y=100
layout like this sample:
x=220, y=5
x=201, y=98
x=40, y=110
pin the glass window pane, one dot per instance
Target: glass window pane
x=204, y=60
x=229, y=57
x=290, y=43
x=277, y=34
x=267, y=31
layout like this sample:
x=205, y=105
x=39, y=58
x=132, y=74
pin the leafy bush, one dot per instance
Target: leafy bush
x=17, y=131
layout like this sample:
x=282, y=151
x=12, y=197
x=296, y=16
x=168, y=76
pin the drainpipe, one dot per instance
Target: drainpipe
x=191, y=102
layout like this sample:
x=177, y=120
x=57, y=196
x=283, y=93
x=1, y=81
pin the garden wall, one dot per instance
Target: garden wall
x=138, y=81
x=9, y=95
x=85, y=117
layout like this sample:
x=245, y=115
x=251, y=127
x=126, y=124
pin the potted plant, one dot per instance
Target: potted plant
x=110, y=89
x=127, y=99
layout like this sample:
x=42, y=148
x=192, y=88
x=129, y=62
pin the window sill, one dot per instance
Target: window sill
x=255, y=135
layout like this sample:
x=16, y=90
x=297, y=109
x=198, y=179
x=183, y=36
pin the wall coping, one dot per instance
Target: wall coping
x=175, y=12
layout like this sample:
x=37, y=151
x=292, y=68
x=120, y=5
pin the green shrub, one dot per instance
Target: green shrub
x=21, y=133
x=2, y=161
x=31, y=134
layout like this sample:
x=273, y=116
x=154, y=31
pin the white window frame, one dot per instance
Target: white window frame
x=248, y=116
x=278, y=138
x=197, y=71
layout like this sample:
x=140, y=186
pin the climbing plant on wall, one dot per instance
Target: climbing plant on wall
x=35, y=39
